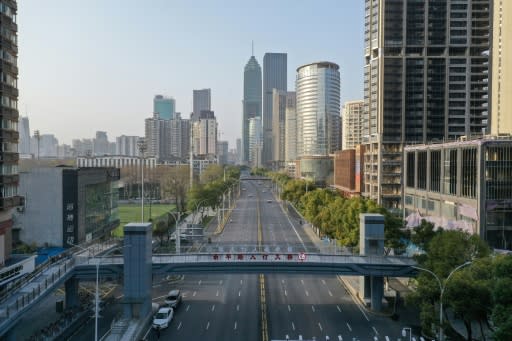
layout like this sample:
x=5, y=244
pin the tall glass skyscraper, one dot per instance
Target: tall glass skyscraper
x=318, y=109
x=165, y=107
x=274, y=77
x=251, y=101
x=202, y=100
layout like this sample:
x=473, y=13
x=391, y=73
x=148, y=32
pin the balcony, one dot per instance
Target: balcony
x=10, y=202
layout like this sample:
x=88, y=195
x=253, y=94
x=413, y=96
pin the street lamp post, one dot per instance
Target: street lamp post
x=442, y=288
x=141, y=143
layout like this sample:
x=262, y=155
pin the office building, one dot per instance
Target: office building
x=255, y=142
x=251, y=101
x=165, y=107
x=9, y=109
x=44, y=146
x=274, y=77
x=290, y=152
x=100, y=143
x=82, y=147
x=238, y=151
x=348, y=168
x=222, y=152
x=318, y=118
x=465, y=185
x=280, y=100
x=179, y=137
x=425, y=79
x=501, y=68
x=202, y=100
x=351, y=119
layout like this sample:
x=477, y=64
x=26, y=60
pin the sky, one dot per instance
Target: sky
x=96, y=65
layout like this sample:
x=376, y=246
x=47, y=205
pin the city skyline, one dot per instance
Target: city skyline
x=88, y=78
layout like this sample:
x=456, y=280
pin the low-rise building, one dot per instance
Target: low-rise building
x=462, y=185
x=348, y=168
x=67, y=205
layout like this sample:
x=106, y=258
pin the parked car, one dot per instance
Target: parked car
x=173, y=298
x=163, y=317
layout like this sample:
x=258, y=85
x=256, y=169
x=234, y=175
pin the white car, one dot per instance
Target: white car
x=163, y=317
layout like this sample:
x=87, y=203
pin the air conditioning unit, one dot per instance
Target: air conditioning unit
x=20, y=209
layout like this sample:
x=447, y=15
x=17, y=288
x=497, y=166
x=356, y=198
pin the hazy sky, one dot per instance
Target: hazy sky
x=96, y=65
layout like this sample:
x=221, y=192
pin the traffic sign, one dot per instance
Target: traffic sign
x=302, y=256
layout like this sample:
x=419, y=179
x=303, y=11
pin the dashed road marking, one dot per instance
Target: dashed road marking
x=285, y=293
x=375, y=330
x=239, y=293
x=313, y=308
x=217, y=294
x=330, y=293
x=282, y=281
x=293, y=326
x=194, y=294
x=323, y=282
x=238, y=307
x=179, y=326
x=338, y=307
x=188, y=308
x=348, y=326
x=208, y=325
x=320, y=326
x=235, y=326
x=220, y=282
x=213, y=307
x=307, y=293
x=302, y=281
x=157, y=285
x=241, y=281
x=200, y=281
x=289, y=308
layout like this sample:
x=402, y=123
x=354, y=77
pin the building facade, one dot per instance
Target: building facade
x=351, y=120
x=255, y=142
x=251, y=102
x=165, y=107
x=127, y=145
x=348, y=167
x=83, y=206
x=425, y=79
x=462, y=185
x=101, y=144
x=202, y=100
x=9, y=111
x=501, y=69
x=274, y=77
x=279, y=98
x=24, y=130
x=290, y=152
x=114, y=161
x=205, y=134
x=222, y=152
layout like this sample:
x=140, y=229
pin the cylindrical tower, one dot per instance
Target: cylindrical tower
x=318, y=109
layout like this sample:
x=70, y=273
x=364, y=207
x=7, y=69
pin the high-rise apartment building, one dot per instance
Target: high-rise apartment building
x=352, y=115
x=24, y=130
x=274, y=77
x=290, y=152
x=127, y=145
x=165, y=107
x=202, y=100
x=205, y=134
x=238, y=151
x=501, y=68
x=179, y=137
x=425, y=79
x=167, y=140
x=251, y=101
x=222, y=152
x=318, y=109
x=100, y=143
x=9, y=111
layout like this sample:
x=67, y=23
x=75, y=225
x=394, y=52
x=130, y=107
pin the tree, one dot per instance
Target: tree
x=423, y=234
x=161, y=230
x=502, y=297
x=174, y=182
x=212, y=173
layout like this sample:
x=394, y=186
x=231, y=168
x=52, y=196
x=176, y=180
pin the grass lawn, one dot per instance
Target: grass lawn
x=130, y=213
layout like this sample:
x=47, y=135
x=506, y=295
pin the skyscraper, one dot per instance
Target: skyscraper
x=425, y=78
x=318, y=109
x=280, y=99
x=201, y=101
x=9, y=107
x=205, y=134
x=351, y=124
x=291, y=127
x=24, y=130
x=274, y=77
x=127, y=145
x=251, y=101
x=165, y=107
x=255, y=141
x=501, y=87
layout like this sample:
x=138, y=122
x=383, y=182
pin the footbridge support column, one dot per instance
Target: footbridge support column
x=371, y=242
x=137, y=270
x=71, y=287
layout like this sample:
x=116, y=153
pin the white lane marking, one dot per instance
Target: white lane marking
x=217, y=294
x=338, y=307
x=220, y=282
x=213, y=307
x=294, y=230
x=282, y=281
x=194, y=294
x=235, y=326
x=313, y=308
x=238, y=307
x=362, y=312
x=320, y=326
x=239, y=293
x=285, y=293
x=241, y=281
x=375, y=330
x=121, y=296
x=179, y=326
x=387, y=338
x=340, y=338
x=156, y=298
x=208, y=325
x=300, y=337
x=348, y=325
x=289, y=308
x=323, y=282
x=302, y=281
x=188, y=308
x=200, y=281
x=293, y=326
x=330, y=293
x=307, y=293
x=157, y=285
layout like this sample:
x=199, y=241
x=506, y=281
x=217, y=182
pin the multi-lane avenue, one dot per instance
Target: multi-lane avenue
x=274, y=306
